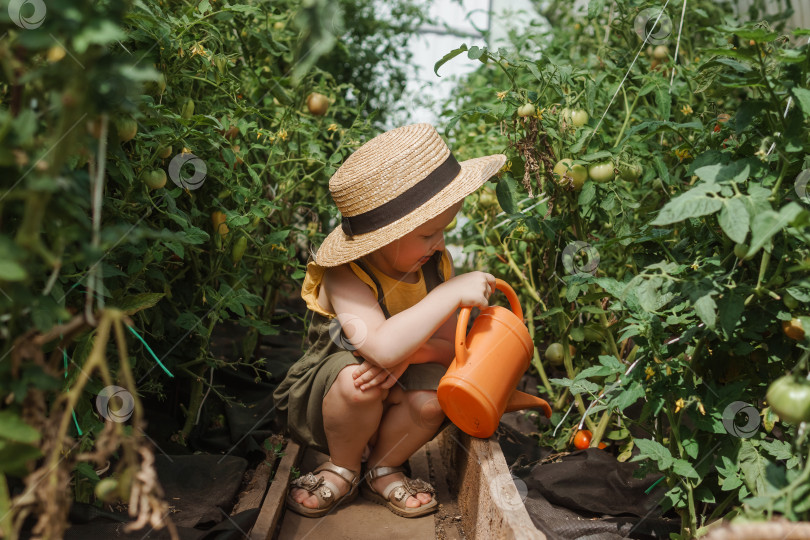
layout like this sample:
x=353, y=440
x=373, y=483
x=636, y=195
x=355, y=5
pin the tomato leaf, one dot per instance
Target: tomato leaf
x=595, y=7
x=629, y=395
x=655, y=451
x=14, y=429
x=706, y=309
x=506, y=195
x=137, y=302
x=803, y=97
x=765, y=225
x=730, y=309
x=664, y=102
x=759, y=473
x=12, y=271
x=734, y=219
x=447, y=57
x=683, y=468
x=698, y=201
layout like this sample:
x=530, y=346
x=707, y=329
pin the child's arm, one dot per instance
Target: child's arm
x=388, y=342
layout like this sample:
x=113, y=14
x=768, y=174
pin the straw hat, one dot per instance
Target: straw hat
x=393, y=184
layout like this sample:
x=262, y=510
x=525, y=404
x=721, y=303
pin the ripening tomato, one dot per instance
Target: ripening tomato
x=218, y=221
x=164, y=152
x=582, y=439
x=794, y=329
x=661, y=52
x=317, y=104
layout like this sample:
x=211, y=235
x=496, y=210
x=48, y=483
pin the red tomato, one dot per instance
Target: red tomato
x=582, y=439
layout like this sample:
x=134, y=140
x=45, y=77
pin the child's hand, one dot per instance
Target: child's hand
x=472, y=289
x=368, y=375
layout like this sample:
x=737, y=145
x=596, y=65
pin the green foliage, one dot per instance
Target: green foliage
x=671, y=332
x=161, y=170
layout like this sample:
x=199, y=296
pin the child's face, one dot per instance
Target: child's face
x=415, y=248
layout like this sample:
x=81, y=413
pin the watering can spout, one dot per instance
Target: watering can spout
x=521, y=400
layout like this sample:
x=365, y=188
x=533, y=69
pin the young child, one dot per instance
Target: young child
x=384, y=299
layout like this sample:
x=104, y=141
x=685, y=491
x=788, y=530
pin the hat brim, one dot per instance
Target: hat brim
x=338, y=248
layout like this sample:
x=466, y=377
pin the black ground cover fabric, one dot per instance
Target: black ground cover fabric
x=585, y=494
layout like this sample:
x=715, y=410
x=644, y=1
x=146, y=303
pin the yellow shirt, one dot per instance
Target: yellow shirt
x=399, y=295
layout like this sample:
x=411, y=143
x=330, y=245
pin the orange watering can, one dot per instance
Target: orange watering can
x=480, y=383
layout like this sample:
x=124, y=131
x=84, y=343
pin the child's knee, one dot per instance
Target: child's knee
x=349, y=393
x=425, y=408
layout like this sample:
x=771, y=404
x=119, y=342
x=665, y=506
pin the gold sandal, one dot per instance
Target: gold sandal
x=397, y=492
x=323, y=489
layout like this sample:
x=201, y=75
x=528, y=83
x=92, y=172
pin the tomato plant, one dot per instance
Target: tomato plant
x=160, y=179
x=673, y=270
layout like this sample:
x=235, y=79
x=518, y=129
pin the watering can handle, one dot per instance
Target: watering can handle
x=464, y=318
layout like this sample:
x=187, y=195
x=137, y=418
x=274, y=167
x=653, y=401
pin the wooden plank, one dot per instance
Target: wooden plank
x=273, y=504
x=253, y=495
x=490, y=504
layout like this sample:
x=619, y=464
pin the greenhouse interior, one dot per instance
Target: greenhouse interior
x=412, y=269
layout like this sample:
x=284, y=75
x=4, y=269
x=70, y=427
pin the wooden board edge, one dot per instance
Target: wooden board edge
x=490, y=504
x=273, y=504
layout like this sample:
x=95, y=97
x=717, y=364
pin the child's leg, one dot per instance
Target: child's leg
x=350, y=418
x=410, y=421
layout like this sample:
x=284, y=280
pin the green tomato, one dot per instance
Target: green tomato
x=155, y=179
x=126, y=128
x=579, y=117
x=566, y=174
x=602, y=172
x=164, y=152
x=790, y=399
x=630, y=171
x=188, y=109
x=790, y=302
x=107, y=489
x=526, y=109
x=239, y=248
x=554, y=354
x=487, y=198
x=451, y=225
x=741, y=250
